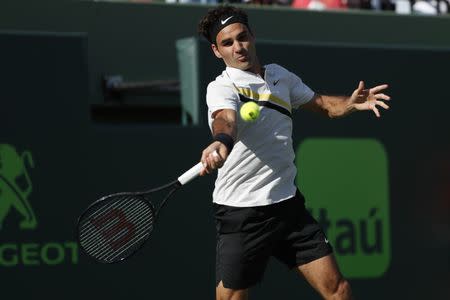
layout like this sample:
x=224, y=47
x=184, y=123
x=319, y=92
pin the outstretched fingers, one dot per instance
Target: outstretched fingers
x=370, y=98
x=360, y=86
x=378, y=88
x=382, y=96
x=359, y=90
x=382, y=104
x=376, y=111
x=373, y=107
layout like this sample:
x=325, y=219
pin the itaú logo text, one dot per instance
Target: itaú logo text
x=346, y=185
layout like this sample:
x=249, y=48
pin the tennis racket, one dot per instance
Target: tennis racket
x=116, y=226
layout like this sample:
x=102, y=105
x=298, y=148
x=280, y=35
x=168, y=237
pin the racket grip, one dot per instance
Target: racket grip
x=190, y=174
x=193, y=172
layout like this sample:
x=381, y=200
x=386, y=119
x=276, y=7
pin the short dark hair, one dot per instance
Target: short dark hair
x=214, y=15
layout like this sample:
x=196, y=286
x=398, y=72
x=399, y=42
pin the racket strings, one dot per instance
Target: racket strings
x=93, y=232
x=146, y=231
x=140, y=236
x=113, y=229
x=88, y=228
x=104, y=209
x=113, y=252
x=130, y=207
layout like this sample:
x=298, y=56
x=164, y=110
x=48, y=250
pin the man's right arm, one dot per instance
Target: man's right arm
x=224, y=130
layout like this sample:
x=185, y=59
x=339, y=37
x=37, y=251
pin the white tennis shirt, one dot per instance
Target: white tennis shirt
x=260, y=170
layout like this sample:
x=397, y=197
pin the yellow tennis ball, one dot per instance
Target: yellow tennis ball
x=249, y=111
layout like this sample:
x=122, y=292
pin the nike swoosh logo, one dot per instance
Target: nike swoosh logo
x=275, y=82
x=226, y=20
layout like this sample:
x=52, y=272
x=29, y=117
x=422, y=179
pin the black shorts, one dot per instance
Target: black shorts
x=248, y=236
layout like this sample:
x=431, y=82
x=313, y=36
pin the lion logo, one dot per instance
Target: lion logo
x=15, y=185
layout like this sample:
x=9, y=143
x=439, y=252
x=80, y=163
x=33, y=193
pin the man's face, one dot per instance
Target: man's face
x=236, y=46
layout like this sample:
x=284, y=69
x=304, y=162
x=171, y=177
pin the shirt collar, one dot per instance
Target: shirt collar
x=242, y=77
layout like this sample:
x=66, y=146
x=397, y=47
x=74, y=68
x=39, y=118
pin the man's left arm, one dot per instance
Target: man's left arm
x=340, y=106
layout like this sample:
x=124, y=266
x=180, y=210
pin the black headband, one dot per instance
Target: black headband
x=224, y=22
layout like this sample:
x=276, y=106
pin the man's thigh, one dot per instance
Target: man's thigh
x=222, y=293
x=323, y=274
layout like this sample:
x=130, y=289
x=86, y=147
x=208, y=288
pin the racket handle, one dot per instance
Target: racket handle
x=193, y=172
x=190, y=174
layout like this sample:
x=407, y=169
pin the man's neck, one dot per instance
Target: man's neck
x=257, y=69
x=260, y=70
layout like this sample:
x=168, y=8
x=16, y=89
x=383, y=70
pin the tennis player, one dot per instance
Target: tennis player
x=258, y=210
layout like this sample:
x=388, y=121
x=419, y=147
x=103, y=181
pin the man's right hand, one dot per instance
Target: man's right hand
x=213, y=157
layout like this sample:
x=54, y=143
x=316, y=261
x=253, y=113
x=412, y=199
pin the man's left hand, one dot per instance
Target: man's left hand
x=369, y=99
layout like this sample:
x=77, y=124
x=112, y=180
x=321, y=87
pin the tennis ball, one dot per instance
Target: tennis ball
x=249, y=111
